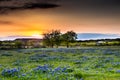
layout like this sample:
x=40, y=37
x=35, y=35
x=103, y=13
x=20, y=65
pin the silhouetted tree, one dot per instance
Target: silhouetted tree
x=52, y=38
x=18, y=44
x=56, y=37
x=47, y=39
x=69, y=36
x=0, y=43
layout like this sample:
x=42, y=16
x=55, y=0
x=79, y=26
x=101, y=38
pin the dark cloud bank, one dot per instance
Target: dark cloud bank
x=96, y=5
x=10, y=5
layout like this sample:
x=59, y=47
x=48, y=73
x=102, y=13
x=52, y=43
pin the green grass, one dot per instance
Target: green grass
x=90, y=63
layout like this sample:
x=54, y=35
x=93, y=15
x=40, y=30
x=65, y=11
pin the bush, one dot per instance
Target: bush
x=78, y=75
x=27, y=53
x=69, y=70
x=6, y=54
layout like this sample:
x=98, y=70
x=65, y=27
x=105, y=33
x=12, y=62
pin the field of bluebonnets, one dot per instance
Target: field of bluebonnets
x=92, y=63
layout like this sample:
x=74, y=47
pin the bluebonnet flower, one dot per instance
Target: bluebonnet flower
x=64, y=69
x=118, y=71
x=43, y=69
x=23, y=74
x=57, y=69
x=10, y=72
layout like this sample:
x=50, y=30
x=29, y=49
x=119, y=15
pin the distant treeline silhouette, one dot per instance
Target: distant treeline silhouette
x=55, y=38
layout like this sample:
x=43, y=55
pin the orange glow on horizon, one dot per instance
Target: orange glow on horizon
x=36, y=34
x=35, y=24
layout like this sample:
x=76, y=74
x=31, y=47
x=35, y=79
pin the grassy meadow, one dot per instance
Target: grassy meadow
x=85, y=63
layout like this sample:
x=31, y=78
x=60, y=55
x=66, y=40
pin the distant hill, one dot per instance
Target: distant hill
x=81, y=36
x=117, y=39
x=28, y=39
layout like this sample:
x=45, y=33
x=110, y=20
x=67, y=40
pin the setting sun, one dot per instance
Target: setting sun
x=36, y=35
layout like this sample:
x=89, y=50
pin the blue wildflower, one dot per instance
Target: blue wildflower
x=118, y=71
x=57, y=69
x=23, y=74
x=10, y=72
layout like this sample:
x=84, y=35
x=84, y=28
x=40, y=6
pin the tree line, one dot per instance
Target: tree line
x=55, y=38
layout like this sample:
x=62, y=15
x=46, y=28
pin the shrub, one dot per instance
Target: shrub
x=78, y=75
x=69, y=70
x=6, y=54
x=27, y=53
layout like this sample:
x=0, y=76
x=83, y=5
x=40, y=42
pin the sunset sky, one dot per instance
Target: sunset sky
x=26, y=18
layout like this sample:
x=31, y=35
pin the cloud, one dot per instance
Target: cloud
x=97, y=2
x=106, y=7
x=87, y=36
x=6, y=22
x=10, y=5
